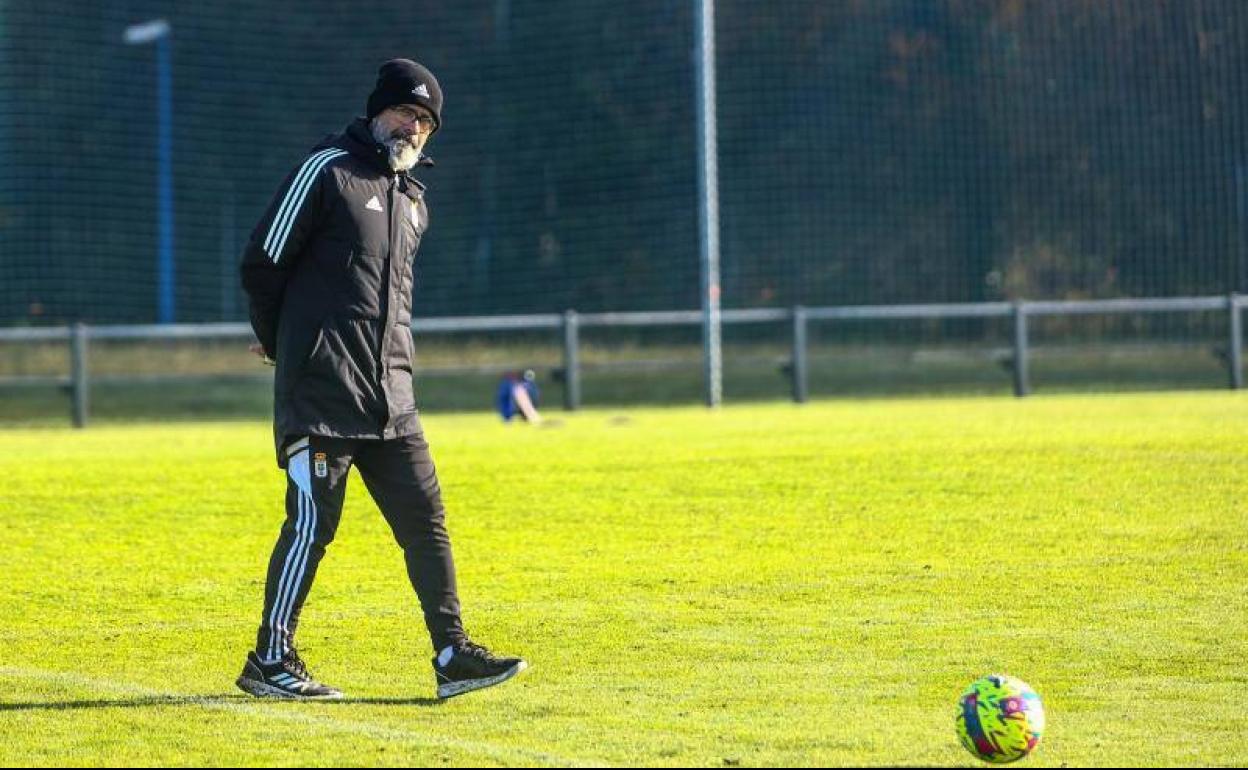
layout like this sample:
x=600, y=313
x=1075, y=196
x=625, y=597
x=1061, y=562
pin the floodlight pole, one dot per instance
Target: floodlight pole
x=159, y=31
x=708, y=199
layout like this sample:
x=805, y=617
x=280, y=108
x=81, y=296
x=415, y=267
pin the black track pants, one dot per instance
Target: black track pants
x=399, y=474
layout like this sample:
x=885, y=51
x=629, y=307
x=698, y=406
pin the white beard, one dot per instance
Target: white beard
x=404, y=151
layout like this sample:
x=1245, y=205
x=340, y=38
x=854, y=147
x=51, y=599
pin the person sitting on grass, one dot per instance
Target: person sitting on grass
x=518, y=394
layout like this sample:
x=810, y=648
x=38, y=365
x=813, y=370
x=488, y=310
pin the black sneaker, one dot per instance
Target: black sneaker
x=288, y=678
x=473, y=667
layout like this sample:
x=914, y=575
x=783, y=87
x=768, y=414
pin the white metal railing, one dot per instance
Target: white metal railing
x=570, y=323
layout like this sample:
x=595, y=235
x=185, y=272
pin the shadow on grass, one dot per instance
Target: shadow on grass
x=146, y=701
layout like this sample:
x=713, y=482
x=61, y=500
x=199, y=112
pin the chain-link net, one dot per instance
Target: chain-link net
x=891, y=151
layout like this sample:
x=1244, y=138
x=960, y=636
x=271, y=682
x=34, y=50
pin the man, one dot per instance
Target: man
x=329, y=275
x=518, y=394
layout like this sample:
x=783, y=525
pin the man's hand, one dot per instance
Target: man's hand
x=258, y=349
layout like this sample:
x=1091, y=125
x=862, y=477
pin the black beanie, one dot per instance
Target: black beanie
x=403, y=81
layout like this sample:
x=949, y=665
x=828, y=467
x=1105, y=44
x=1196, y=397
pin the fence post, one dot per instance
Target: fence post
x=571, y=367
x=800, y=392
x=1022, y=386
x=1235, y=355
x=78, y=367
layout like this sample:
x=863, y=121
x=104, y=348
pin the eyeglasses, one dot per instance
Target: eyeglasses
x=423, y=120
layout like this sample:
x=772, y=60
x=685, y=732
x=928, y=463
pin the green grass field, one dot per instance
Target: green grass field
x=765, y=585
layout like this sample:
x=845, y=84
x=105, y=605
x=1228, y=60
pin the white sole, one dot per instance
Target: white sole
x=262, y=690
x=451, y=689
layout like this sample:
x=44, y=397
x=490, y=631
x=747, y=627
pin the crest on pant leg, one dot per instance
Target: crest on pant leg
x=320, y=465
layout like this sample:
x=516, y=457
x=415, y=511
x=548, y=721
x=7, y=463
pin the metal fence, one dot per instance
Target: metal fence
x=568, y=326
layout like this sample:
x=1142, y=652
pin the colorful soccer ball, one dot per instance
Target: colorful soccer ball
x=1000, y=719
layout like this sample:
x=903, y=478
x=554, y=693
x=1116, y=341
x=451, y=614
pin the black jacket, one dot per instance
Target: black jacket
x=329, y=274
